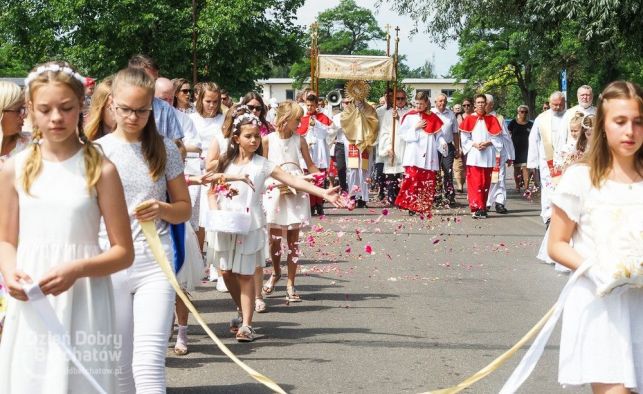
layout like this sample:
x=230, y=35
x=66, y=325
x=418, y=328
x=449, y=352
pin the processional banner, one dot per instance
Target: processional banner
x=353, y=67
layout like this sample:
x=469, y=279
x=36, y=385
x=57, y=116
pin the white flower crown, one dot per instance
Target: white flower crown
x=54, y=68
x=245, y=116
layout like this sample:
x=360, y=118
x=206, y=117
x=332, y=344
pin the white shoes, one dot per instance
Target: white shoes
x=213, y=275
x=221, y=286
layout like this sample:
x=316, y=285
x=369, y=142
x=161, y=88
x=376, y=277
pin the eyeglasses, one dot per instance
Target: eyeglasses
x=127, y=112
x=20, y=111
x=466, y=105
x=401, y=98
x=522, y=111
x=186, y=91
x=254, y=107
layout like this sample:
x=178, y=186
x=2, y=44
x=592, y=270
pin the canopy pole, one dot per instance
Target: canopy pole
x=395, y=114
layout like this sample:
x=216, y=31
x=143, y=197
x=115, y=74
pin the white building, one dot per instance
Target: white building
x=282, y=89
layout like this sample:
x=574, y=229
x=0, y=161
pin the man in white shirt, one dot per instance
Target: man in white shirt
x=451, y=136
x=547, y=135
x=498, y=192
x=585, y=99
x=380, y=178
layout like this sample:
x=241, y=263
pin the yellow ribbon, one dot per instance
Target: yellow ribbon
x=498, y=362
x=152, y=237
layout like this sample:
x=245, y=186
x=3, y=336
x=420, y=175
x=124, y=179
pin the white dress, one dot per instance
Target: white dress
x=241, y=254
x=58, y=223
x=285, y=211
x=207, y=130
x=602, y=337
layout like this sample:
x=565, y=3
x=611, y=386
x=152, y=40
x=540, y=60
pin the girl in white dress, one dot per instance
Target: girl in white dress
x=286, y=213
x=151, y=169
x=52, y=196
x=598, y=205
x=208, y=120
x=238, y=256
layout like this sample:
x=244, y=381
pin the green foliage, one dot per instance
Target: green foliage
x=239, y=41
x=517, y=49
x=427, y=70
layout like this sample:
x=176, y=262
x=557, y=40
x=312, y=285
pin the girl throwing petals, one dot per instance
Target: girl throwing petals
x=239, y=255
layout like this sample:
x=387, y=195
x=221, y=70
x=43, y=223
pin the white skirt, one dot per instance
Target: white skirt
x=602, y=337
x=241, y=254
x=288, y=212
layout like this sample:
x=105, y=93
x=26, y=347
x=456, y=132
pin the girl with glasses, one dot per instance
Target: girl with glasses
x=151, y=168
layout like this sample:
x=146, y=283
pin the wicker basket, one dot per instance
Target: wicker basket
x=292, y=168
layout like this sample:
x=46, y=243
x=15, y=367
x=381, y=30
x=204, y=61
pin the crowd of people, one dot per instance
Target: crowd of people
x=231, y=186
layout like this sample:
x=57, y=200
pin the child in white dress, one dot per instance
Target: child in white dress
x=287, y=212
x=598, y=205
x=239, y=255
x=52, y=196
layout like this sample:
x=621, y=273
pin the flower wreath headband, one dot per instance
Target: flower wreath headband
x=54, y=68
x=587, y=121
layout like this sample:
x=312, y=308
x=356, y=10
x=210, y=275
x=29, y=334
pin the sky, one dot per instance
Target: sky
x=417, y=48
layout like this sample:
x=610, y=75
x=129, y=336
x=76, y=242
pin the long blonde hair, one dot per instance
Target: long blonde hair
x=152, y=143
x=95, y=124
x=92, y=156
x=10, y=95
x=599, y=156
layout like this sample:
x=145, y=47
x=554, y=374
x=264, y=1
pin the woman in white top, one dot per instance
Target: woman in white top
x=12, y=116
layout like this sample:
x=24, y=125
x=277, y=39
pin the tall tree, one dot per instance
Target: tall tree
x=238, y=40
x=526, y=43
x=343, y=30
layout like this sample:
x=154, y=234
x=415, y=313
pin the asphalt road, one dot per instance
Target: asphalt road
x=436, y=301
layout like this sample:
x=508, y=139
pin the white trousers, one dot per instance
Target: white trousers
x=144, y=303
x=498, y=190
x=357, y=185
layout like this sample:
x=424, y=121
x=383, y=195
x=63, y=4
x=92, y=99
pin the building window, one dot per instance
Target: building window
x=290, y=94
x=448, y=92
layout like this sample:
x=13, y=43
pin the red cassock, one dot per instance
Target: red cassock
x=479, y=178
x=305, y=122
x=417, y=190
x=418, y=185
